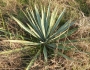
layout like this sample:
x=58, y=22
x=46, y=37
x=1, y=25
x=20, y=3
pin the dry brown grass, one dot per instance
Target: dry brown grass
x=10, y=6
x=84, y=25
x=81, y=62
x=11, y=62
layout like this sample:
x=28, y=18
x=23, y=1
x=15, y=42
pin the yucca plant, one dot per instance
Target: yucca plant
x=45, y=27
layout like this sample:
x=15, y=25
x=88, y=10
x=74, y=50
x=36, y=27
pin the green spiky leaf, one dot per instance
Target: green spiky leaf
x=32, y=61
x=45, y=53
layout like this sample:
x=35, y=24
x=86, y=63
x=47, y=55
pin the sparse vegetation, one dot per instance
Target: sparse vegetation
x=45, y=40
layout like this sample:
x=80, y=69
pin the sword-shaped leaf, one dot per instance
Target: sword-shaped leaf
x=23, y=26
x=39, y=37
x=22, y=42
x=62, y=29
x=66, y=57
x=38, y=17
x=45, y=53
x=37, y=24
x=43, y=23
x=68, y=33
x=47, y=20
x=57, y=37
x=52, y=20
x=33, y=23
x=14, y=51
x=32, y=61
x=58, y=21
